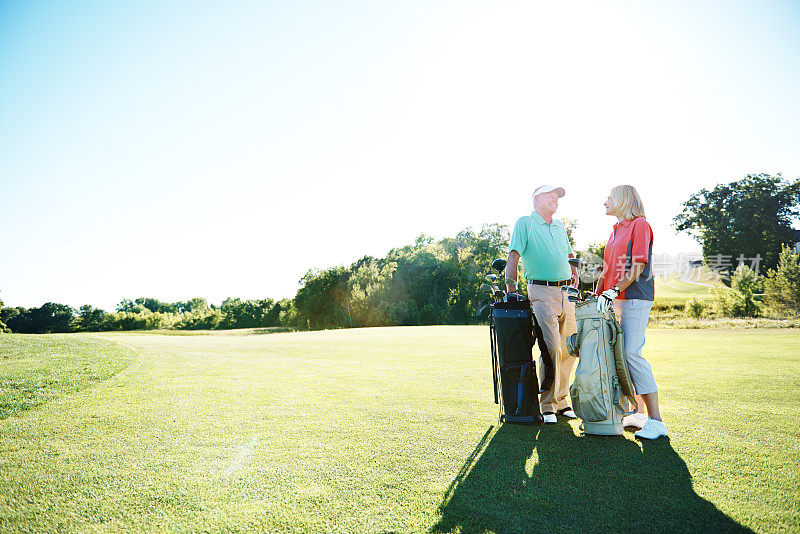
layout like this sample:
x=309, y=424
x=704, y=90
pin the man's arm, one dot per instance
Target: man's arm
x=574, y=273
x=512, y=264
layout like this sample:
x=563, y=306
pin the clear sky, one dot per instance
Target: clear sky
x=176, y=149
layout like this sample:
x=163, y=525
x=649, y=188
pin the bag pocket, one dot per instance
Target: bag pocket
x=587, y=392
x=518, y=387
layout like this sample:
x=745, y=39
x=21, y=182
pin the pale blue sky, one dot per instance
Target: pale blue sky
x=181, y=149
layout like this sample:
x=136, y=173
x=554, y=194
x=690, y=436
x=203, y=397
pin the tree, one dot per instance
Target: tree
x=197, y=304
x=782, y=285
x=598, y=249
x=751, y=217
x=571, y=226
x=90, y=319
x=240, y=313
x=6, y=316
x=323, y=299
x=126, y=305
x=745, y=285
x=3, y=327
x=50, y=318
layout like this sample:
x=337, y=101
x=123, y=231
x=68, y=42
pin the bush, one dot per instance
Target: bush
x=745, y=285
x=203, y=319
x=722, y=302
x=782, y=285
x=122, y=321
x=665, y=308
x=695, y=308
x=739, y=299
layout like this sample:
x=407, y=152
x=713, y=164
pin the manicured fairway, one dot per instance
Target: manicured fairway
x=382, y=430
x=676, y=288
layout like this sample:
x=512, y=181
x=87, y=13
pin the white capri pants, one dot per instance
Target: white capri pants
x=633, y=315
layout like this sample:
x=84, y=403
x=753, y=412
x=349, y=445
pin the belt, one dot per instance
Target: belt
x=549, y=283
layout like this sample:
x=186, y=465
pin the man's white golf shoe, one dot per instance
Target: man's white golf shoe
x=550, y=418
x=652, y=429
x=568, y=413
x=636, y=420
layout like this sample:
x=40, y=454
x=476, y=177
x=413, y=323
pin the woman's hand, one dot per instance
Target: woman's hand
x=606, y=300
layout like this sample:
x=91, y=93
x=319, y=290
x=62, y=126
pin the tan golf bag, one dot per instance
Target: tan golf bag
x=602, y=387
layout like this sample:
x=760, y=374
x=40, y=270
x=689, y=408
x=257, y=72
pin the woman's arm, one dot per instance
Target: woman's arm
x=633, y=273
x=600, y=283
x=605, y=298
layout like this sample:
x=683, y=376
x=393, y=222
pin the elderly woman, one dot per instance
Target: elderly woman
x=627, y=283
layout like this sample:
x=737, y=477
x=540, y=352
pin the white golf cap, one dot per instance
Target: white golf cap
x=547, y=188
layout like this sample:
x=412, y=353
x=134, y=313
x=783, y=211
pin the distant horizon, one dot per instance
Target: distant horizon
x=685, y=255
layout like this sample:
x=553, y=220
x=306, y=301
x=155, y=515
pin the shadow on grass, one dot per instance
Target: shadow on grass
x=547, y=479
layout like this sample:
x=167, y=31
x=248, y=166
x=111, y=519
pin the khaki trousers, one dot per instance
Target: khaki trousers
x=556, y=316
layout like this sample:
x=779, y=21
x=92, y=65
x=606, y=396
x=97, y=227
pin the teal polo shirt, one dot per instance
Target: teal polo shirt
x=544, y=248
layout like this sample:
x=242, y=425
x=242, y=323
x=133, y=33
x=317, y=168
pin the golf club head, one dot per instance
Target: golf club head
x=514, y=297
x=499, y=295
x=487, y=287
x=564, y=289
x=499, y=265
x=574, y=262
x=588, y=295
x=572, y=291
x=492, y=278
x=574, y=298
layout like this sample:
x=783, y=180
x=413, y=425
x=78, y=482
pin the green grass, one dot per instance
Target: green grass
x=38, y=369
x=390, y=429
x=674, y=288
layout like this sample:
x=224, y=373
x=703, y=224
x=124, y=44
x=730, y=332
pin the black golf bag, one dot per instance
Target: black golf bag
x=513, y=330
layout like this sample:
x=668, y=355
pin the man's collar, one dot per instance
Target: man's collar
x=538, y=218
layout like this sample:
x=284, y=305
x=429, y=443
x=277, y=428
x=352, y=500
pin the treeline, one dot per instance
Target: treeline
x=144, y=314
x=429, y=282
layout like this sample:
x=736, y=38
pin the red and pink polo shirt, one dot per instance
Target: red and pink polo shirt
x=630, y=241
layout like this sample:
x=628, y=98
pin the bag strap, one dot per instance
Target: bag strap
x=623, y=380
x=617, y=401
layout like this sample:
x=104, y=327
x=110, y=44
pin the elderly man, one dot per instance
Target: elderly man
x=542, y=243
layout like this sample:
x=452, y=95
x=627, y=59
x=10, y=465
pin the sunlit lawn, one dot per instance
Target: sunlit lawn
x=674, y=288
x=380, y=430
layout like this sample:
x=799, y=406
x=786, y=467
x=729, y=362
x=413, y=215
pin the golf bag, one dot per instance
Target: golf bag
x=512, y=330
x=602, y=386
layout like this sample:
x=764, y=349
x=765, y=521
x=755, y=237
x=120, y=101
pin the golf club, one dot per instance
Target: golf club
x=499, y=265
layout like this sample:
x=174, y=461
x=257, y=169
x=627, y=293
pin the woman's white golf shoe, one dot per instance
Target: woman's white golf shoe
x=652, y=429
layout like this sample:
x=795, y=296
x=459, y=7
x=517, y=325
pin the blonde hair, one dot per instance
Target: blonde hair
x=626, y=202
